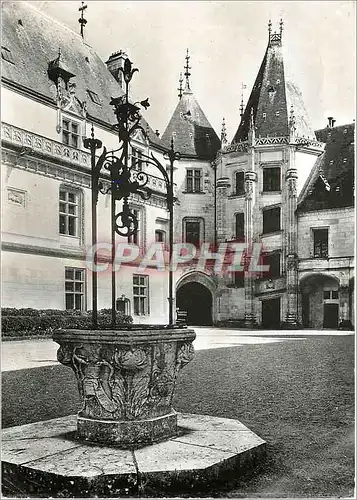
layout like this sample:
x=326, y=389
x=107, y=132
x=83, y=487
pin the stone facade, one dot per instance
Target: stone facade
x=275, y=184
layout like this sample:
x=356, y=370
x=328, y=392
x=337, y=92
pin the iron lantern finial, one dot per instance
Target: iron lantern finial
x=187, y=70
x=180, y=89
x=82, y=21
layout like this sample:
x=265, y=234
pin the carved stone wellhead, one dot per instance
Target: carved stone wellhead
x=126, y=380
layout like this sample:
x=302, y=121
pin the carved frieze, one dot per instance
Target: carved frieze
x=125, y=382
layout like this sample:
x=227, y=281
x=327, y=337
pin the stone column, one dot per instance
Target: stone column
x=345, y=314
x=291, y=318
x=250, y=182
x=222, y=187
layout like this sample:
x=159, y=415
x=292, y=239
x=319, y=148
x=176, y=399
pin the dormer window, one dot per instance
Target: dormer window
x=264, y=116
x=345, y=160
x=94, y=97
x=331, y=162
x=7, y=55
x=277, y=113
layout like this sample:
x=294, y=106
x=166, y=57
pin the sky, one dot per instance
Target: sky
x=227, y=41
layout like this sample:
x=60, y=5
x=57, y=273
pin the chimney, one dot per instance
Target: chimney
x=116, y=61
x=331, y=122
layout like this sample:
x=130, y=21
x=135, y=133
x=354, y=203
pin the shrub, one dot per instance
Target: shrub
x=30, y=322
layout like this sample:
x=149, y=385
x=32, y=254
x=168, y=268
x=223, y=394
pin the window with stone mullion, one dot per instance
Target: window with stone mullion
x=68, y=213
x=141, y=294
x=193, y=181
x=74, y=288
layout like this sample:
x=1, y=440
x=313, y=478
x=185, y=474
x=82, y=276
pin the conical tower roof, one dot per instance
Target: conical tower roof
x=273, y=97
x=193, y=135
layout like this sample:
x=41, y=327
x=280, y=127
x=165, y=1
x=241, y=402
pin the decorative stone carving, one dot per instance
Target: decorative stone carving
x=249, y=179
x=16, y=197
x=292, y=190
x=239, y=147
x=291, y=262
x=264, y=141
x=126, y=380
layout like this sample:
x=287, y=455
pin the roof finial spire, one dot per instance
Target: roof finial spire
x=81, y=20
x=241, y=107
x=281, y=24
x=292, y=122
x=180, y=89
x=223, y=133
x=251, y=133
x=187, y=72
x=269, y=28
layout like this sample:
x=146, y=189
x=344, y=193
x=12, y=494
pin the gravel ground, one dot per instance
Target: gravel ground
x=298, y=396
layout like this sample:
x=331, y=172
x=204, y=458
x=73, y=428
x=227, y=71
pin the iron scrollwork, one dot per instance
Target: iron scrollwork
x=125, y=180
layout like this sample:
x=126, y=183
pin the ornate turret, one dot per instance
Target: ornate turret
x=193, y=135
x=272, y=96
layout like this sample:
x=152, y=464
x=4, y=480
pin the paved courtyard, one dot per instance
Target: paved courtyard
x=294, y=389
x=22, y=354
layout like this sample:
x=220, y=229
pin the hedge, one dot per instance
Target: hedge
x=43, y=322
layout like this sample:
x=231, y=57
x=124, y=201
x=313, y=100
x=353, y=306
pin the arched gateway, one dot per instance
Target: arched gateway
x=194, y=294
x=320, y=298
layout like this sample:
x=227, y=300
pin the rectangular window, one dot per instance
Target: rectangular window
x=74, y=288
x=271, y=220
x=134, y=238
x=141, y=294
x=320, y=243
x=136, y=159
x=273, y=261
x=68, y=212
x=192, y=231
x=239, y=184
x=194, y=181
x=70, y=133
x=239, y=229
x=271, y=179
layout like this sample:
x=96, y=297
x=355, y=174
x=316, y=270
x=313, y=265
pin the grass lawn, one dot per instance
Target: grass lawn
x=297, y=395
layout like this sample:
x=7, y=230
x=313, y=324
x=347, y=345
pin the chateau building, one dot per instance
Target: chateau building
x=278, y=184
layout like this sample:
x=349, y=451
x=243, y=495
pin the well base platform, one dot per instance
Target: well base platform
x=46, y=459
x=128, y=433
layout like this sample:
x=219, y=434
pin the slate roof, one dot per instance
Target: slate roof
x=331, y=184
x=193, y=135
x=273, y=94
x=34, y=40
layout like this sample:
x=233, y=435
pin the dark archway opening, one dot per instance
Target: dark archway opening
x=196, y=299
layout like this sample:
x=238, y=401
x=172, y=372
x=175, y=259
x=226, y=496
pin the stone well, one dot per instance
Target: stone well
x=126, y=380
